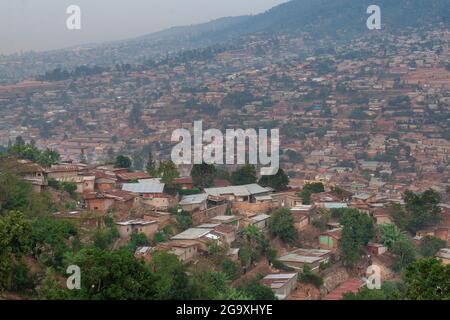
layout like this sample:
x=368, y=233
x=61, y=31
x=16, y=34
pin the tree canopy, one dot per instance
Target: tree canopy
x=203, y=175
x=420, y=210
x=15, y=242
x=358, y=230
x=168, y=171
x=278, y=182
x=29, y=151
x=310, y=189
x=244, y=175
x=281, y=224
x=122, y=162
x=427, y=279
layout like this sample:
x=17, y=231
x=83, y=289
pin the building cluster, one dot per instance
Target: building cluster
x=370, y=117
x=141, y=204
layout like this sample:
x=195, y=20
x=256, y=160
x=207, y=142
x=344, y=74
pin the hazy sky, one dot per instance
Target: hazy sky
x=41, y=24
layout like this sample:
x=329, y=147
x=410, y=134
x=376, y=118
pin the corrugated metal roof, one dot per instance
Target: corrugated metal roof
x=192, y=234
x=280, y=276
x=240, y=191
x=152, y=187
x=194, y=199
x=335, y=205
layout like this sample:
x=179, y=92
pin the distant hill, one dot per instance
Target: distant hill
x=336, y=18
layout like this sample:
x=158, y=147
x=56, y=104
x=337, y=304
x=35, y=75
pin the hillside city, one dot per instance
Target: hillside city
x=86, y=176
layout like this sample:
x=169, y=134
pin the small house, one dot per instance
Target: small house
x=330, y=240
x=127, y=228
x=194, y=202
x=282, y=284
x=376, y=249
x=300, y=258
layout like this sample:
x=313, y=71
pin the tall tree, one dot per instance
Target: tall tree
x=310, y=189
x=278, y=182
x=168, y=171
x=112, y=275
x=420, y=210
x=390, y=234
x=281, y=224
x=15, y=233
x=150, y=167
x=203, y=175
x=427, y=279
x=244, y=175
x=122, y=162
x=257, y=291
x=429, y=246
x=49, y=240
x=405, y=253
x=171, y=279
x=358, y=230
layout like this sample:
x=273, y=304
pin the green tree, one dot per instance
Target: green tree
x=358, y=230
x=427, y=279
x=389, y=291
x=203, y=175
x=405, y=253
x=159, y=237
x=184, y=220
x=15, y=241
x=50, y=240
x=48, y=158
x=112, y=275
x=278, y=182
x=230, y=268
x=17, y=194
x=420, y=210
x=14, y=193
x=223, y=174
x=207, y=284
x=69, y=187
x=137, y=240
x=150, y=167
x=281, y=224
x=122, y=162
x=29, y=151
x=307, y=276
x=429, y=246
x=257, y=291
x=365, y=294
x=217, y=252
x=253, y=244
x=171, y=280
x=168, y=171
x=104, y=238
x=390, y=234
x=50, y=288
x=310, y=189
x=234, y=294
x=244, y=175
